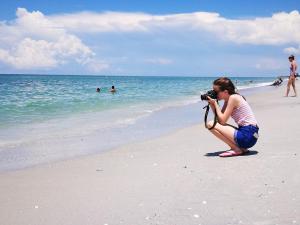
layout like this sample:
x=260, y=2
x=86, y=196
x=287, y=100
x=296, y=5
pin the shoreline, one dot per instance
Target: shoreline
x=173, y=179
x=159, y=123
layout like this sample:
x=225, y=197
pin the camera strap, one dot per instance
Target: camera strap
x=231, y=126
x=215, y=119
x=205, y=117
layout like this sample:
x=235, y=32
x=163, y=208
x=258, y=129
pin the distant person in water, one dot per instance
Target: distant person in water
x=113, y=90
x=98, y=90
x=292, y=77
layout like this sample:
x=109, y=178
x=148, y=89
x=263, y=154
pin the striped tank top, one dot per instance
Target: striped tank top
x=243, y=114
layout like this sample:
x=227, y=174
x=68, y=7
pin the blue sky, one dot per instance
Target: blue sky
x=182, y=38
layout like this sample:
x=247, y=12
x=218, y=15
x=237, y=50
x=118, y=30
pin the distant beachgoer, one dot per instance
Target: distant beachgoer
x=113, y=90
x=238, y=139
x=98, y=90
x=277, y=82
x=292, y=76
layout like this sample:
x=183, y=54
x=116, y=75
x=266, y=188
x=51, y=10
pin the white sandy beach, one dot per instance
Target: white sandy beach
x=172, y=180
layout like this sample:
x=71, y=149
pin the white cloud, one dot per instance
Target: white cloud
x=36, y=25
x=159, y=61
x=292, y=50
x=35, y=54
x=102, y=22
x=96, y=66
x=276, y=30
x=32, y=41
x=29, y=54
x=270, y=64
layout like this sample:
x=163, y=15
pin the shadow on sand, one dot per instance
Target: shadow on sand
x=250, y=152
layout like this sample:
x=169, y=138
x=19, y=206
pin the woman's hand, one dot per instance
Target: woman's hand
x=212, y=102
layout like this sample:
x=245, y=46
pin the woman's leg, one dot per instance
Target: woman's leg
x=226, y=134
x=288, y=87
x=294, y=86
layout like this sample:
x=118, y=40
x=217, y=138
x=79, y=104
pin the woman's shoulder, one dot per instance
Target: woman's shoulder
x=236, y=99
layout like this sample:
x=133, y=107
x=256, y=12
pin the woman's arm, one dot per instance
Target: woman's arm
x=224, y=107
x=225, y=113
x=294, y=68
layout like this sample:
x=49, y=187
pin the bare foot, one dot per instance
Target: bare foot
x=244, y=150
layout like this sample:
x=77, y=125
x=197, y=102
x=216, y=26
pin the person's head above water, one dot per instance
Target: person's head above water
x=98, y=90
x=113, y=89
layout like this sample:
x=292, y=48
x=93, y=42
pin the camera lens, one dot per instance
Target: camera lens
x=203, y=97
x=211, y=93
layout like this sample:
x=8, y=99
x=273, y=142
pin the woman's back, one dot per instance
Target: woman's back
x=242, y=114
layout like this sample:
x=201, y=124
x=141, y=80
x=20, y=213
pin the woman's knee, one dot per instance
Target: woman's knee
x=210, y=124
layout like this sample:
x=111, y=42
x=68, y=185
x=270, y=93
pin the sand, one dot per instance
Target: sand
x=176, y=179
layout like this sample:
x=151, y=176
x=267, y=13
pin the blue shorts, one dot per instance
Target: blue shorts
x=246, y=136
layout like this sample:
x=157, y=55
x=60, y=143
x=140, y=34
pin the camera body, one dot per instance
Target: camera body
x=212, y=94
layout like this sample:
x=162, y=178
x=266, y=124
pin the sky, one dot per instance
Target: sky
x=149, y=38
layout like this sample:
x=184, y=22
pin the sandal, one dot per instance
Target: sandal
x=230, y=153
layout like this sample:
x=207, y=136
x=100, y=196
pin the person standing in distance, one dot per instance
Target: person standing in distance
x=292, y=77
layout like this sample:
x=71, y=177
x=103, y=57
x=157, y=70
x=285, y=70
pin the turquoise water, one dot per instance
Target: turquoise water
x=49, y=118
x=27, y=99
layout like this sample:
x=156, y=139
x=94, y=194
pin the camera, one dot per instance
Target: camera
x=212, y=94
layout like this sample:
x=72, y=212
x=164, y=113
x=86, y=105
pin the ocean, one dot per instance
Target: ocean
x=47, y=118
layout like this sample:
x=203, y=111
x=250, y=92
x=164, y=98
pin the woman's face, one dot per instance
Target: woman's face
x=220, y=94
x=290, y=59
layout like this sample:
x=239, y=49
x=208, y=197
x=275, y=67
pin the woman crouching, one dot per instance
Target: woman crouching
x=235, y=106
